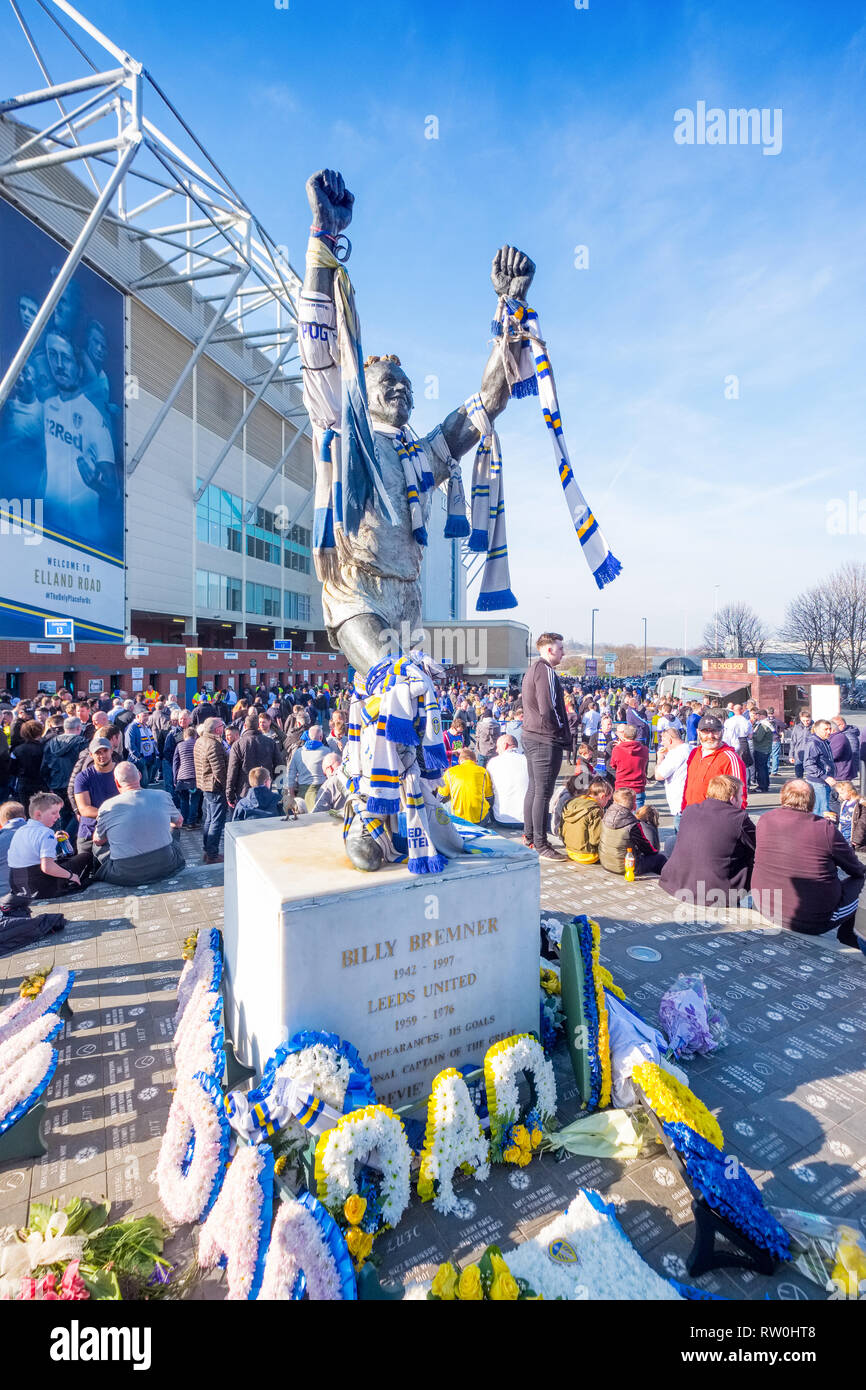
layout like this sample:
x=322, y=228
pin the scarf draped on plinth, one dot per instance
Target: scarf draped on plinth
x=396, y=706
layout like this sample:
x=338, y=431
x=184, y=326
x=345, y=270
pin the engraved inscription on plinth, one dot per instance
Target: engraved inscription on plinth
x=418, y=972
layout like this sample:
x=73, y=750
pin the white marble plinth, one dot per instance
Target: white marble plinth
x=419, y=972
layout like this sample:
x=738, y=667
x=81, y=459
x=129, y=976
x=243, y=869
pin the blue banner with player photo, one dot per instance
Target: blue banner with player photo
x=61, y=444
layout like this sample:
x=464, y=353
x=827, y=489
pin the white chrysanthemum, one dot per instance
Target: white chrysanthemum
x=234, y=1224
x=608, y=1265
x=375, y=1136
x=185, y=1196
x=321, y=1070
x=19, y=1043
x=457, y=1139
x=506, y=1066
x=21, y=1078
x=22, y=1012
x=196, y=1035
x=298, y=1246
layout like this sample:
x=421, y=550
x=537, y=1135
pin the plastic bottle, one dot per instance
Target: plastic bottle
x=629, y=866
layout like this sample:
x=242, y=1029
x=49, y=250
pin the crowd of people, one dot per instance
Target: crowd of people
x=807, y=856
x=102, y=788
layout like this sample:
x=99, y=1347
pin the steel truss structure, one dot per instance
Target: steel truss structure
x=165, y=192
x=170, y=194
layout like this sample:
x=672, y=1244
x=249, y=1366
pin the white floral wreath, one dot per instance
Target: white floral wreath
x=298, y=1246
x=40, y=1030
x=206, y=965
x=375, y=1135
x=197, y=1115
x=24, y=1081
x=504, y=1062
x=198, y=1041
x=453, y=1137
x=240, y=1220
x=22, y=1012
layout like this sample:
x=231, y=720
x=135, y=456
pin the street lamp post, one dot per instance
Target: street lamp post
x=592, y=638
x=644, y=648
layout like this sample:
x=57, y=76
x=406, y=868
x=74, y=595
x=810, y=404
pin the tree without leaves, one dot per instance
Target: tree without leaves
x=738, y=630
x=829, y=624
x=803, y=622
x=848, y=590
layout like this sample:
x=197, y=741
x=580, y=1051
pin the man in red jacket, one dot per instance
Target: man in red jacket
x=628, y=762
x=712, y=758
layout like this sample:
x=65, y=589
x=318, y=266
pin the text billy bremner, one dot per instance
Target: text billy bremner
x=77, y=1343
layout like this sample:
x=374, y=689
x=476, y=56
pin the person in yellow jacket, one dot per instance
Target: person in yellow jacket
x=468, y=787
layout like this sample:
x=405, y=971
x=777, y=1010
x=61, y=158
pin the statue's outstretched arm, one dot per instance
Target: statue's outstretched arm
x=511, y=275
x=331, y=204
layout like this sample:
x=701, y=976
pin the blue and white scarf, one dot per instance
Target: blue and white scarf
x=396, y=706
x=488, y=512
x=349, y=474
x=419, y=479
x=532, y=375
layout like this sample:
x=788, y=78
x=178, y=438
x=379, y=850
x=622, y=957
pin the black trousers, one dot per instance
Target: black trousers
x=39, y=885
x=543, y=761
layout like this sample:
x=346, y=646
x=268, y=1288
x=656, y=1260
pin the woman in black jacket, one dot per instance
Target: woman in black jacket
x=27, y=762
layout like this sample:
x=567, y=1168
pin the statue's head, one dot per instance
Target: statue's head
x=389, y=391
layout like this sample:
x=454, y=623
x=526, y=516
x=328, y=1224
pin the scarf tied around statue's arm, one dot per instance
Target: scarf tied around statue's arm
x=531, y=374
x=348, y=474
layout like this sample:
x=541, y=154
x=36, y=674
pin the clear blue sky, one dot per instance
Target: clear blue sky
x=556, y=130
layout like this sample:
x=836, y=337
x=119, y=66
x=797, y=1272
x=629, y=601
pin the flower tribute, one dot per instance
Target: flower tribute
x=373, y=1136
x=49, y=999
x=195, y=1149
x=238, y=1228
x=675, y=1103
x=511, y=1141
x=728, y=1189
x=488, y=1281
x=453, y=1139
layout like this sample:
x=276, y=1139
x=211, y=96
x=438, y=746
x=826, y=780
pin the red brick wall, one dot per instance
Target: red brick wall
x=101, y=660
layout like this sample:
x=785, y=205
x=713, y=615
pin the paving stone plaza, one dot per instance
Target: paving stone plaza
x=789, y=1088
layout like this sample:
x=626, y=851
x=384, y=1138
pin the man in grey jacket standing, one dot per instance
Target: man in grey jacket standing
x=545, y=738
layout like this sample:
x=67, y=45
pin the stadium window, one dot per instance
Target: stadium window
x=219, y=591
x=296, y=606
x=218, y=518
x=263, y=599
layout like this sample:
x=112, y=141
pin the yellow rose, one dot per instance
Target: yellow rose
x=536, y=1138
x=469, y=1288
x=511, y=1155
x=445, y=1282
x=498, y=1265
x=354, y=1209
x=521, y=1136
x=360, y=1244
x=504, y=1289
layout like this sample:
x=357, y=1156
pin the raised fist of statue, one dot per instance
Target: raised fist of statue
x=512, y=272
x=330, y=201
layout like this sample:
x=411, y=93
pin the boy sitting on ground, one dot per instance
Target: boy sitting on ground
x=580, y=826
x=260, y=802
x=621, y=831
